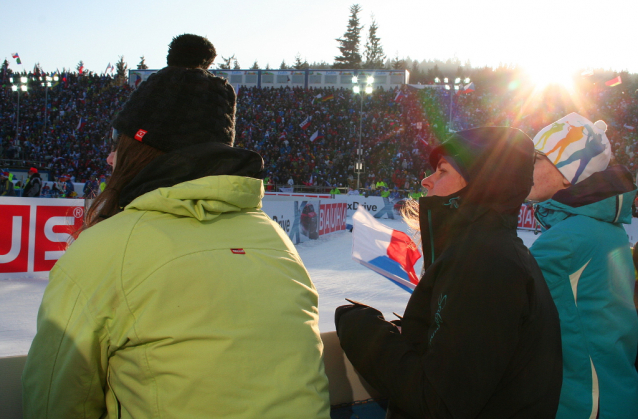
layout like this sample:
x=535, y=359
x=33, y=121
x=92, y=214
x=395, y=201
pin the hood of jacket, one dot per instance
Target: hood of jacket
x=183, y=168
x=606, y=196
x=204, y=198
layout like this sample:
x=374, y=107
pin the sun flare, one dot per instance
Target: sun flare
x=545, y=76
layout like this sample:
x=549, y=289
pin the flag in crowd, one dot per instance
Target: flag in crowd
x=399, y=95
x=109, y=68
x=306, y=123
x=316, y=135
x=80, y=124
x=138, y=80
x=327, y=98
x=629, y=127
x=386, y=251
x=17, y=57
x=469, y=88
x=80, y=69
x=614, y=82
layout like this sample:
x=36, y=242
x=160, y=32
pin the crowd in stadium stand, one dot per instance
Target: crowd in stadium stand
x=397, y=128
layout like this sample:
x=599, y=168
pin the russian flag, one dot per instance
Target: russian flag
x=398, y=96
x=17, y=57
x=386, y=251
x=614, y=82
x=306, y=123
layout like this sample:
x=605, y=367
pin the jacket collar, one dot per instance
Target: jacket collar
x=606, y=196
x=190, y=163
x=446, y=219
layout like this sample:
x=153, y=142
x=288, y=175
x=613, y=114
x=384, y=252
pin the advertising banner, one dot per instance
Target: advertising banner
x=377, y=206
x=332, y=217
x=299, y=219
x=526, y=220
x=35, y=233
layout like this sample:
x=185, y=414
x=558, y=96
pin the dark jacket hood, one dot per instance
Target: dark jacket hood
x=496, y=162
x=200, y=160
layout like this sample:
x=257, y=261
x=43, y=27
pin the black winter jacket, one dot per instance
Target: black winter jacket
x=480, y=337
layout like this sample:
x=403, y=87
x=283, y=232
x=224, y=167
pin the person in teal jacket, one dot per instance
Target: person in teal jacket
x=180, y=298
x=586, y=261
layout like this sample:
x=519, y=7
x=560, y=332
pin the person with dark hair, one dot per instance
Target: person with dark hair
x=584, y=253
x=199, y=305
x=480, y=336
x=33, y=184
x=6, y=186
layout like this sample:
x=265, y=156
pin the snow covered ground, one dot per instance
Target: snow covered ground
x=328, y=260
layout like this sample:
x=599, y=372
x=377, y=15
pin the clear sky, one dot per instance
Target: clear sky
x=544, y=35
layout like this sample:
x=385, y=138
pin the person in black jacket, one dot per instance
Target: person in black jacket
x=480, y=336
x=33, y=185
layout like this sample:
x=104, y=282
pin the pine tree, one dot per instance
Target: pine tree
x=227, y=62
x=5, y=71
x=299, y=65
x=255, y=66
x=397, y=63
x=349, y=43
x=283, y=65
x=121, y=67
x=236, y=66
x=142, y=64
x=374, y=56
x=267, y=66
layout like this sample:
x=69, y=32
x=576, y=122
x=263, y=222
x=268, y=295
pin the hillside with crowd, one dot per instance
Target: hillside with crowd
x=308, y=138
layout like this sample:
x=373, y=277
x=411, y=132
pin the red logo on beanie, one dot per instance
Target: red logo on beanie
x=140, y=134
x=238, y=251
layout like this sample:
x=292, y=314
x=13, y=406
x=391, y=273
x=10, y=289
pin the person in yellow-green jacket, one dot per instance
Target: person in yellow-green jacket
x=199, y=306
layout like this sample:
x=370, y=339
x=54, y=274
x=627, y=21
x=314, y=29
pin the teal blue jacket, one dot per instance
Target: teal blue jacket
x=586, y=260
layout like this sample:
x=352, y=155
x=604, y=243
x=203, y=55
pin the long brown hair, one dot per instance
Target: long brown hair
x=132, y=157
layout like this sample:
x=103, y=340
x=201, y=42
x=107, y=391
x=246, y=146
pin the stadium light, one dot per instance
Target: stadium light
x=359, y=88
x=457, y=80
x=14, y=88
x=445, y=80
x=467, y=80
x=23, y=79
x=447, y=87
x=437, y=80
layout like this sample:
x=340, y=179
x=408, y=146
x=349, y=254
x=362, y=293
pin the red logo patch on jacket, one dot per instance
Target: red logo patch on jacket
x=238, y=251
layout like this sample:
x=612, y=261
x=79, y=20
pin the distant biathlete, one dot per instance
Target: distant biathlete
x=180, y=298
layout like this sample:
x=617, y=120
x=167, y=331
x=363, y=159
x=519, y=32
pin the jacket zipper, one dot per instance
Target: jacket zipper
x=431, y=234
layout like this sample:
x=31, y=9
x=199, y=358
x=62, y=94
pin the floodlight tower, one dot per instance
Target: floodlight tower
x=46, y=83
x=359, y=88
x=18, y=85
x=456, y=86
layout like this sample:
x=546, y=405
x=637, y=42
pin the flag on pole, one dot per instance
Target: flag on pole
x=587, y=73
x=17, y=57
x=386, y=251
x=614, y=82
x=327, y=98
x=316, y=135
x=306, y=123
x=110, y=68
